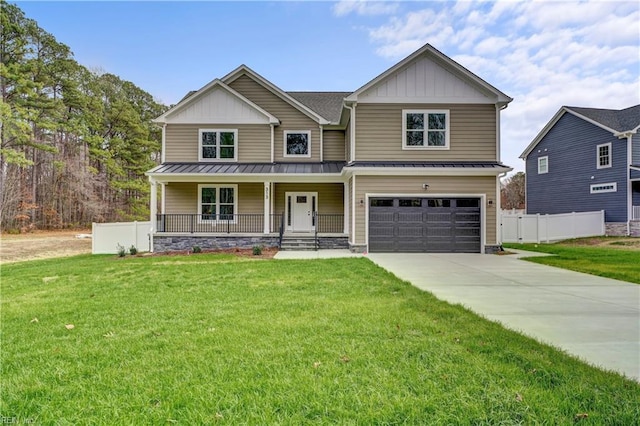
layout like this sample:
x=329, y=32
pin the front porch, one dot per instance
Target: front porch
x=179, y=232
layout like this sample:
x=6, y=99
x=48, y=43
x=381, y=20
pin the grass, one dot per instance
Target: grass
x=215, y=339
x=611, y=262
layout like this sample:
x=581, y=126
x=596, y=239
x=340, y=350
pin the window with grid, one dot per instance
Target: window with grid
x=425, y=129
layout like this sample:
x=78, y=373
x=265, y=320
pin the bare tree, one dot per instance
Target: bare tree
x=513, y=192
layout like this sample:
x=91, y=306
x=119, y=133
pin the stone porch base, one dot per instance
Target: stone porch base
x=176, y=242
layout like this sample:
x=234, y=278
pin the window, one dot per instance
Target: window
x=603, y=153
x=377, y=202
x=415, y=202
x=439, y=203
x=297, y=143
x=543, y=165
x=218, y=144
x=425, y=129
x=217, y=202
x=599, y=188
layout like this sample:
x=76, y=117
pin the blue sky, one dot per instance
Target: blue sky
x=543, y=54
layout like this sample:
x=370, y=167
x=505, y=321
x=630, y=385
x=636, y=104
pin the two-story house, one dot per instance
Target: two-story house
x=587, y=159
x=409, y=162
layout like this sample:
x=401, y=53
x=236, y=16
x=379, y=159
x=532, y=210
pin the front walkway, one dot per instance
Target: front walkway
x=596, y=319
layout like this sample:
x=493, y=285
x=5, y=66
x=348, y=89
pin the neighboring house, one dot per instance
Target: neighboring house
x=587, y=159
x=409, y=162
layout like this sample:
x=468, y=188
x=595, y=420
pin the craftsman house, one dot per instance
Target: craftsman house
x=409, y=162
x=587, y=159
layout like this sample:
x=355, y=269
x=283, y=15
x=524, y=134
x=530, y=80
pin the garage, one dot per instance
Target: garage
x=424, y=225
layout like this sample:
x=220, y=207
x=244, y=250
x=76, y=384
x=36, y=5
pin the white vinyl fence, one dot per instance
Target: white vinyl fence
x=107, y=236
x=537, y=228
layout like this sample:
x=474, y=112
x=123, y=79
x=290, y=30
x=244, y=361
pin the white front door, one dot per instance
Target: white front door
x=301, y=207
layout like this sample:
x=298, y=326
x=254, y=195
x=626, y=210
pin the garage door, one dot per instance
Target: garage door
x=431, y=225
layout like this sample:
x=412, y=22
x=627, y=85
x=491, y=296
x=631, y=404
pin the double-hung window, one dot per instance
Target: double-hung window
x=425, y=129
x=297, y=143
x=543, y=165
x=217, y=202
x=218, y=144
x=603, y=153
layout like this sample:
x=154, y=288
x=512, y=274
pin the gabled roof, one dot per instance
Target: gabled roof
x=192, y=97
x=327, y=104
x=245, y=70
x=449, y=63
x=619, y=120
x=615, y=121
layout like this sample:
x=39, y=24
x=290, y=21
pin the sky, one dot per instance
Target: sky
x=544, y=54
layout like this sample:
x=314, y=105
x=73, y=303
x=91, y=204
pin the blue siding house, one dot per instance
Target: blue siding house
x=587, y=159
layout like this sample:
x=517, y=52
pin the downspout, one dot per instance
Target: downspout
x=352, y=119
x=164, y=142
x=273, y=143
x=629, y=183
x=321, y=143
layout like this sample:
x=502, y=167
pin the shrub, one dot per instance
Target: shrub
x=121, y=251
x=257, y=250
x=196, y=249
x=133, y=250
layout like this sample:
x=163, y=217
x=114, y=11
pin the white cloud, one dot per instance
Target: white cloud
x=543, y=54
x=364, y=7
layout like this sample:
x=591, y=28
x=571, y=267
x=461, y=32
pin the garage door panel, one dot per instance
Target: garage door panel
x=427, y=225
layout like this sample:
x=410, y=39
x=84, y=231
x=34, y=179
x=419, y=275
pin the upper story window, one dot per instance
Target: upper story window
x=599, y=188
x=603, y=153
x=218, y=145
x=543, y=165
x=297, y=143
x=425, y=129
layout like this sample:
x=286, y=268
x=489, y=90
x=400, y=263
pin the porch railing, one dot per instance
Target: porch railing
x=327, y=224
x=636, y=213
x=246, y=223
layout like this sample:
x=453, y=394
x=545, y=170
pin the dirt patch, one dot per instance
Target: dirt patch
x=624, y=243
x=42, y=245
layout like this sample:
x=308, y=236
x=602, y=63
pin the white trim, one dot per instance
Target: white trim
x=243, y=69
x=483, y=207
x=217, y=186
x=218, y=146
x=353, y=211
x=426, y=130
x=629, y=184
x=498, y=134
x=542, y=171
x=163, y=194
x=294, y=132
x=602, y=188
x=609, y=154
x=425, y=171
x=353, y=133
x=206, y=88
x=267, y=210
x=345, y=206
x=153, y=204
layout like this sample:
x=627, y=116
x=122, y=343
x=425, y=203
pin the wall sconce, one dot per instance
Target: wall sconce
x=361, y=201
x=490, y=202
x=425, y=186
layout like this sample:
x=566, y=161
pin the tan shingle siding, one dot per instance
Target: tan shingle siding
x=437, y=185
x=379, y=133
x=330, y=196
x=254, y=142
x=182, y=197
x=290, y=117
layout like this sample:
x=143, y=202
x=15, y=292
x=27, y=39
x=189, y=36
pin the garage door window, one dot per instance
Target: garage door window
x=414, y=202
x=381, y=203
x=468, y=202
x=439, y=203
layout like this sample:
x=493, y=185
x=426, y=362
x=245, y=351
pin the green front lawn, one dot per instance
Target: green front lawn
x=206, y=339
x=611, y=260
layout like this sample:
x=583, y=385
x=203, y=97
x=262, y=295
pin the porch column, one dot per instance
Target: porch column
x=153, y=208
x=267, y=207
x=345, y=203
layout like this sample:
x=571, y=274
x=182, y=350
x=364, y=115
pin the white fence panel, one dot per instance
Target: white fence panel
x=535, y=228
x=107, y=236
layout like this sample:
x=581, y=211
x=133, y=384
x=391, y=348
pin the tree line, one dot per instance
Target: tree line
x=74, y=143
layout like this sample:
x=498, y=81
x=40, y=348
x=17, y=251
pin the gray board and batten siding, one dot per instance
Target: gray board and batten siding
x=570, y=146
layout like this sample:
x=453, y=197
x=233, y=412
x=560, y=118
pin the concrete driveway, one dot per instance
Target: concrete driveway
x=596, y=319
